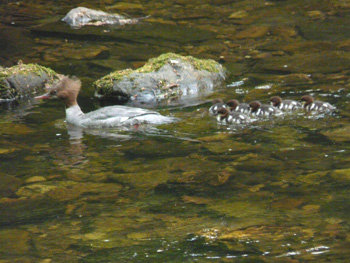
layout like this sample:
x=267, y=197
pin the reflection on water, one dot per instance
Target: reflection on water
x=274, y=191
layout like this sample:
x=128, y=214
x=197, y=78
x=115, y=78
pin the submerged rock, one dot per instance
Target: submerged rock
x=82, y=16
x=24, y=80
x=169, y=79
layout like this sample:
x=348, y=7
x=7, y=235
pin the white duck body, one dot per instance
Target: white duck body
x=316, y=106
x=107, y=117
x=114, y=116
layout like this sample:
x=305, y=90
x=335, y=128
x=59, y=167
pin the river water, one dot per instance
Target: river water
x=193, y=191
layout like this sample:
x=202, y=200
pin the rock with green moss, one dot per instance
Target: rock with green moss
x=24, y=80
x=169, y=79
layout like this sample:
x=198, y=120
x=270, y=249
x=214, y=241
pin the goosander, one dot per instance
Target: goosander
x=239, y=107
x=67, y=89
x=287, y=105
x=217, y=104
x=227, y=117
x=258, y=109
x=317, y=106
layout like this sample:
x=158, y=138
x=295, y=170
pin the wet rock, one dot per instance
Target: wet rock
x=169, y=79
x=14, y=129
x=316, y=15
x=342, y=175
x=284, y=32
x=82, y=16
x=327, y=29
x=9, y=185
x=303, y=62
x=17, y=211
x=14, y=242
x=35, y=179
x=75, y=51
x=24, y=80
x=339, y=134
x=238, y=14
x=253, y=32
x=125, y=6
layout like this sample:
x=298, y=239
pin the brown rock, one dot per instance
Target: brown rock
x=253, y=32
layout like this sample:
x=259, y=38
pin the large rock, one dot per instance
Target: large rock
x=82, y=16
x=24, y=80
x=169, y=79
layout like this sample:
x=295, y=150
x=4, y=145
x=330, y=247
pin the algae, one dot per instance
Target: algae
x=16, y=81
x=155, y=64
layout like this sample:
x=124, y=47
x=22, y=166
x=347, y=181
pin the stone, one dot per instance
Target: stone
x=306, y=62
x=341, y=175
x=252, y=32
x=24, y=80
x=14, y=241
x=82, y=16
x=239, y=14
x=9, y=185
x=169, y=79
x=35, y=179
x=26, y=211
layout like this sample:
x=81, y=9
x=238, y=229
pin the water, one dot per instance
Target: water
x=194, y=191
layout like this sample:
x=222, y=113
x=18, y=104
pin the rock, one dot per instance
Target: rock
x=342, y=175
x=316, y=15
x=9, y=185
x=14, y=241
x=24, y=80
x=35, y=179
x=238, y=14
x=125, y=5
x=253, y=32
x=27, y=211
x=306, y=62
x=82, y=16
x=326, y=29
x=169, y=79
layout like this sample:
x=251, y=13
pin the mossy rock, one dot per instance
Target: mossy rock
x=169, y=79
x=24, y=80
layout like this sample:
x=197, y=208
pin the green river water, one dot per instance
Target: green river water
x=192, y=191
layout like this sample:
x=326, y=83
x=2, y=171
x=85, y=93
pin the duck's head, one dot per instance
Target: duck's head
x=67, y=89
x=254, y=105
x=232, y=104
x=215, y=101
x=307, y=99
x=276, y=101
x=223, y=112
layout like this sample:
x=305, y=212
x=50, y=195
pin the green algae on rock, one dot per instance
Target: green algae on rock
x=169, y=79
x=23, y=80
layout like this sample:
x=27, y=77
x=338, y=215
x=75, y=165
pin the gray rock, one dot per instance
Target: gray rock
x=23, y=80
x=82, y=16
x=169, y=79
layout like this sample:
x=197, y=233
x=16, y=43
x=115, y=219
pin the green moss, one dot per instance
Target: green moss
x=155, y=64
x=107, y=81
x=26, y=69
x=22, y=70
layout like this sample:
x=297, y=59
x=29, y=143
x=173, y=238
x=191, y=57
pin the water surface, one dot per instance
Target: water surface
x=193, y=191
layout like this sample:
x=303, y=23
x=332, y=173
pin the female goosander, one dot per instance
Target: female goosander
x=239, y=107
x=67, y=89
x=217, y=104
x=258, y=109
x=227, y=117
x=287, y=105
x=317, y=106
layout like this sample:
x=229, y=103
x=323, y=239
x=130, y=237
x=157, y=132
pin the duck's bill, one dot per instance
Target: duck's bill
x=43, y=97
